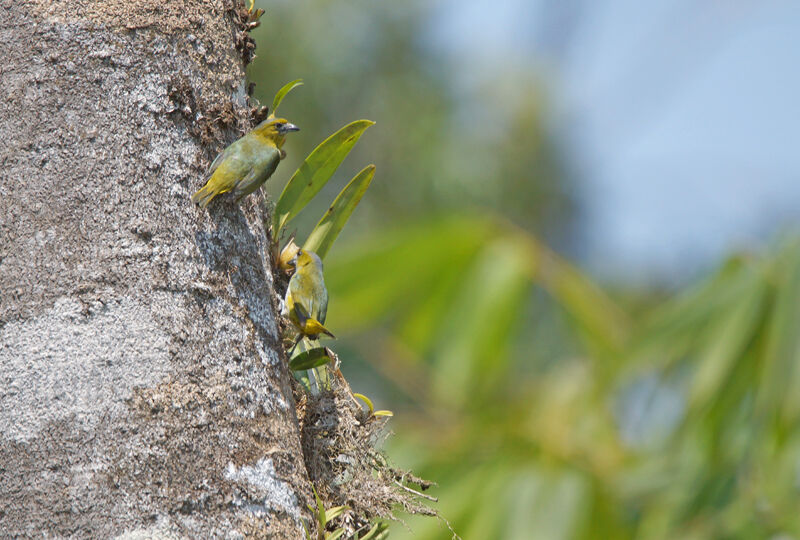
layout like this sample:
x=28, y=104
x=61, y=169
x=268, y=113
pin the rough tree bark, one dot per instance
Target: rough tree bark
x=142, y=389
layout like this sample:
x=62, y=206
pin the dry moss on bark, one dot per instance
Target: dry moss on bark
x=340, y=444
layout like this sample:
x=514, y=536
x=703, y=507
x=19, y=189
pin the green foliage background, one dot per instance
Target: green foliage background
x=544, y=405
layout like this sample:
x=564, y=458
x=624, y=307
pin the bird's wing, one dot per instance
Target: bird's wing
x=264, y=163
x=270, y=156
x=219, y=159
x=240, y=189
x=323, y=307
x=302, y=310
x=302, y=314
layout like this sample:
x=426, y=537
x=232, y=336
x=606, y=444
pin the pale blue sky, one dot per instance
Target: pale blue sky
x=682, y=118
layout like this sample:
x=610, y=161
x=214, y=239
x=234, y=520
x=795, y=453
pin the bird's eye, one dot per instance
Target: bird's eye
x=279, y=126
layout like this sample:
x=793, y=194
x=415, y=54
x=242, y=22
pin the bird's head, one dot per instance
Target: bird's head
x=306, y=260
x=275, y=129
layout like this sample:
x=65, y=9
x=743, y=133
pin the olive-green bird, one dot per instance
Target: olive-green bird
x=247, y=163
x=306, y=302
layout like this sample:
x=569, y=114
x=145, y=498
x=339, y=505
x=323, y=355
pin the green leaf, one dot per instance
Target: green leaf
x=728, y=339
x=315, y=172
x=288, y=87
x=779, y=388
x=324, y=234
x=309, y=359
x=369, y=278
x=366, y=400
x=335, y=535
x=376, y=532
x=474, y=331
x=603, y=325
x=371, y=407
x=323, y=520
x=303, y=379
x=671, y=329
x=336, y=511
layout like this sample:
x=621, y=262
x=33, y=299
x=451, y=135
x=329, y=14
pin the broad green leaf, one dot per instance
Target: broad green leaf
x=673, y=328
x=419, y=328
x=780, y=387
x=471, y=353
x=288, y=87
x=370, y=277
x=324, y=234
x=315, y=172
x=309, y=359
x=727, y=341
x=366, y=400
x=603, y=324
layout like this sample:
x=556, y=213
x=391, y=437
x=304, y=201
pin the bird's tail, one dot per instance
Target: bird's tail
x=314, y=328
x=203, y=196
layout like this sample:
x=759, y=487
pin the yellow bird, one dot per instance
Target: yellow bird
x=247, y=163
x=306, y=301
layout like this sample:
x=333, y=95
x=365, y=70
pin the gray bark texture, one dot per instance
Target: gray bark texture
x=143, y=391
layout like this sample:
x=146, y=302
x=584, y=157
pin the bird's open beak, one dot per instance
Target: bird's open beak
x=290, y=127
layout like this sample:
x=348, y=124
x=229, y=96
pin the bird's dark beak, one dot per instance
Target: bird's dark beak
x=290, y=127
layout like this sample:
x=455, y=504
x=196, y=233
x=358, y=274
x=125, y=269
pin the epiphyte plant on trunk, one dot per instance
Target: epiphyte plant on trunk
x=312, y=175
